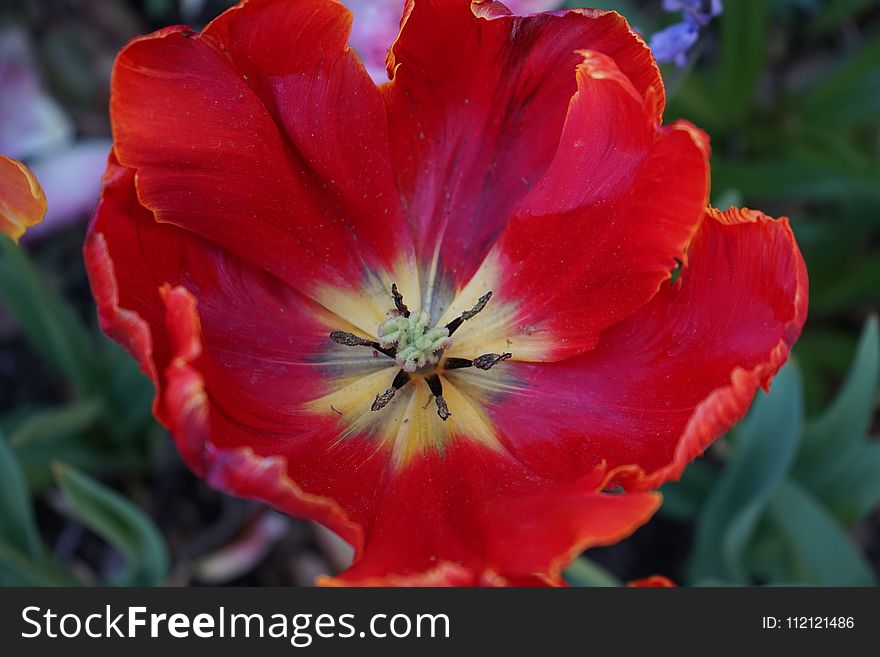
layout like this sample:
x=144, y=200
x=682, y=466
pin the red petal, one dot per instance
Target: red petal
x=444, y=574
x=661, y=386
x=467, y=515
x=475, y=128
x=486, y=512
x=654, y=581
x=259, y=337
x=127, y=303
x=594, y=240
x=196, y=423
x=468, y=506
x=274, y=147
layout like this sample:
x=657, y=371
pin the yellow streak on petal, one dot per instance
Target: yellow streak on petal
x=483, y=387
x=409, y=425
x=351, y=400
x=496, y=328
x=469, y=419
x=366, y=304
x=408, y=432
x=22, y=201
x=420, y=430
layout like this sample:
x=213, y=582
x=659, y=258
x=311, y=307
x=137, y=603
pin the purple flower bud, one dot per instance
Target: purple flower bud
x=671, y=44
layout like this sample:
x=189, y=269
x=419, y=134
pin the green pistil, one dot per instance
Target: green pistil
x=415, y=344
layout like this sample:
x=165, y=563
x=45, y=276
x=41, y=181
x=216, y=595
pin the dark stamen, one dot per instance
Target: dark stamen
x=436, y=387
x=468, y=314
x=352, y=340
x=481, y=303
x=382, y=400
x=442, y=408
x=484, y=362
x=398, y=301
x=488, y=361
x=349, y=339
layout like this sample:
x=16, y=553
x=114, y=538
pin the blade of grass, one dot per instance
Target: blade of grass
x=48, y=323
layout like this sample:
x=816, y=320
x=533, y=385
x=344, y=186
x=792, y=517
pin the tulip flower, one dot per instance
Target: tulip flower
x=437, y=315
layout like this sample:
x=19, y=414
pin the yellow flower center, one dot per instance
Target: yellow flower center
x=370, y=393
x=415, y=347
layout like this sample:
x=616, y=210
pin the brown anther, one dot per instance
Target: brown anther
x=452, y=326
x=481, y=303
x=385, y=398
x=436, y=387
x=349, y=339
x=488, y=361
x=453, y=363
x=398, y=301
x=484, y=362
x=442, y=408
x=352, y=340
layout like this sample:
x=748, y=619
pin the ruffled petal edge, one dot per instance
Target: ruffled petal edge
x=726, y=406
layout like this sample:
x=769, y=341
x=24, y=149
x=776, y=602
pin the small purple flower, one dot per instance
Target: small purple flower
x=671, y=44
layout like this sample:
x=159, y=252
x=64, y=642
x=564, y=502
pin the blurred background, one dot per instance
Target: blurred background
x=93, y=492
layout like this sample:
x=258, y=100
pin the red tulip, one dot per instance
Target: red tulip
x=436, y=315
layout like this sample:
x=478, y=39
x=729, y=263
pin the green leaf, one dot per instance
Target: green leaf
x=837, y=463
x=683, y=499
x=36, y=460
x=18, y=527
x=823, y=355
x=851, y=286
x=47, y=322
x=835, y=14
x=18, y=570
x=767, y=558
x=762, y=454
x=727, y=199
x=23, y=559
x=697, y=99
x=850, y=94
x=829, y=439
x=127, y=392
x=57, y=423
x=120, y=523
x=743, y=45
x=820, y=552
x=587, y=573
x=786, y=178
x=855, y=491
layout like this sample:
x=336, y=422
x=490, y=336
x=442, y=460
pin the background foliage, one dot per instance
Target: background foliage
x=91, y=490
